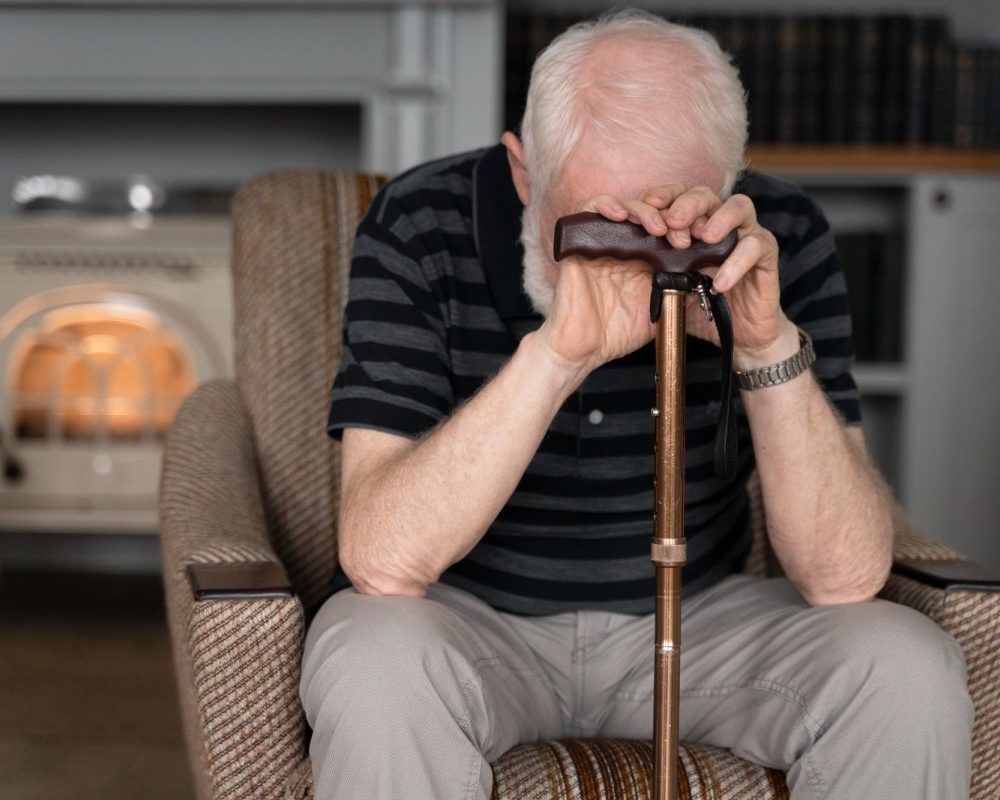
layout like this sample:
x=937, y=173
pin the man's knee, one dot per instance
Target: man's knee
x=900, y=666
x=375, y=652
x=392, y=675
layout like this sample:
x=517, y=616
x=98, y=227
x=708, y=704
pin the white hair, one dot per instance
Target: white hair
x=537, y=279
x=564, y=101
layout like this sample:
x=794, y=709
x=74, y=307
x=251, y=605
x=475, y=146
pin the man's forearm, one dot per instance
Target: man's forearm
x=428, y=505
x=828, y=511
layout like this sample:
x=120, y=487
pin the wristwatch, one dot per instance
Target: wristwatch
x=783, y=371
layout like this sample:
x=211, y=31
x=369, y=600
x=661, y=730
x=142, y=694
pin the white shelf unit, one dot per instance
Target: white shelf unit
x=931, y=419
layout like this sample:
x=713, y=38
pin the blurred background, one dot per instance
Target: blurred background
x=126, y=125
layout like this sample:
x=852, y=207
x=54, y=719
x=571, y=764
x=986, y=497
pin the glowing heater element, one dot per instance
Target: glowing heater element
x=98, y=370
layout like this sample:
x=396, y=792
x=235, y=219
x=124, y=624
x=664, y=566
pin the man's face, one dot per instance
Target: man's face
x=598, y=168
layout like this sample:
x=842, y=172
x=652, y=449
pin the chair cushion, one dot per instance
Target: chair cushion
x=592, y=769
x=608, y=769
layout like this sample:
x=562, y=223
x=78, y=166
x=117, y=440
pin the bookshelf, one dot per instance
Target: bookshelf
x=930, y=410
x=841, y=77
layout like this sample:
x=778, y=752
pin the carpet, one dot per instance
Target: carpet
x=88, y=706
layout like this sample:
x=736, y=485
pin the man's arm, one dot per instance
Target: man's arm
x=828, y=510
x=410, y=509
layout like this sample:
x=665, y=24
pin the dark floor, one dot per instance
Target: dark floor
x=88, y=707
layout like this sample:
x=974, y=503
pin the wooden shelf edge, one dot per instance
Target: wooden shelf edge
x=817, y=157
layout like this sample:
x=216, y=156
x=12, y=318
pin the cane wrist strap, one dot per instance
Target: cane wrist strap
x=717, y=310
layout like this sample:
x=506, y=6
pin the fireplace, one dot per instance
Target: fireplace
x=108, y=327
x=111, y=312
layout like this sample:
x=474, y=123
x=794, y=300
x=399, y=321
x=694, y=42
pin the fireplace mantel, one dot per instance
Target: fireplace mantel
x=426, y=75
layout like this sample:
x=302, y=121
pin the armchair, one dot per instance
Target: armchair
x=249, y=478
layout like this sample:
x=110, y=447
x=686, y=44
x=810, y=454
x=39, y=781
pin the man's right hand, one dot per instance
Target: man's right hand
x=600, y=312
x=600, y=309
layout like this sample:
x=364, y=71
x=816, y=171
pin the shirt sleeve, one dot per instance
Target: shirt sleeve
x=394, y=371
x=814, y=297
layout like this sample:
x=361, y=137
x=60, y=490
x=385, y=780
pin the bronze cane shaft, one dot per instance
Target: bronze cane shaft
x=666, y=686
x=590, y=235
x=670, y=365
x=668, y=547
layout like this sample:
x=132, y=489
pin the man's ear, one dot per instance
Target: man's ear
x=518, y=168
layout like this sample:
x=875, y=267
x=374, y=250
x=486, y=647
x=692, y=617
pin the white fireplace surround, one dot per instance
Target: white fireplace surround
x=426, y=75
x=204, y=93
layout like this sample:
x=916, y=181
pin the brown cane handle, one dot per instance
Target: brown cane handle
x=591, y=235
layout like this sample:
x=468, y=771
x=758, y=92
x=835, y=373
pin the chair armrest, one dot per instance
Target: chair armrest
x=256, y=580
x=237, y=660
x=211, y=507
x=952, y=573
x=935, y=580
x=245, y=662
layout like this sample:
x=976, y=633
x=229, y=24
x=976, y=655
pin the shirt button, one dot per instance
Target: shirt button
x=595, y=417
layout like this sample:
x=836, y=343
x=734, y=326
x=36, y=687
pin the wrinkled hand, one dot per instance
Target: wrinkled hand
x=749, y=277
x=601, y=311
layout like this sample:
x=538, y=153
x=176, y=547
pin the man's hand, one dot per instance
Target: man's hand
x=749, y=277
x=599, y=312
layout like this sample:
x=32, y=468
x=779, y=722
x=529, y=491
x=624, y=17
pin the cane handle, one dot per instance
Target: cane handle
x=591, y=235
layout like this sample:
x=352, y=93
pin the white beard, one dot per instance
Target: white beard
x=539, y=271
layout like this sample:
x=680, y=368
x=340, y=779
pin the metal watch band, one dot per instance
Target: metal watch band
x=783, y=371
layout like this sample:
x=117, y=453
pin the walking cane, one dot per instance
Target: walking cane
x=592, y=236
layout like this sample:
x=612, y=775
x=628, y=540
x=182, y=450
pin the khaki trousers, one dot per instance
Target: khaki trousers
x=410, y=699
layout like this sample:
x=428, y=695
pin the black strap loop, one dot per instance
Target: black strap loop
x=726, y=443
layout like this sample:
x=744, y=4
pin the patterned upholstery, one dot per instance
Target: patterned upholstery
x=249, y=475
x=599, y=768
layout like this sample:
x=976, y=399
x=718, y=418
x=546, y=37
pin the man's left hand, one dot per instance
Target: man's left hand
x=749, y=277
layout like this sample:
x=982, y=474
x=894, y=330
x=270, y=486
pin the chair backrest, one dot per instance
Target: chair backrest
x=292, y=239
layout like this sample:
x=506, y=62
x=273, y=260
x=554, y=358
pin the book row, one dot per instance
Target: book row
x=829, y=79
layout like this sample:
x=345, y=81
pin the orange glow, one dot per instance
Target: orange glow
x=99, y=367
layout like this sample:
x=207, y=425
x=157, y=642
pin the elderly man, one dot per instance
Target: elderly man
x=497, y=465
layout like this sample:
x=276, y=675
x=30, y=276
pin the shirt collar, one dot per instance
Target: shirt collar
x=497, y=228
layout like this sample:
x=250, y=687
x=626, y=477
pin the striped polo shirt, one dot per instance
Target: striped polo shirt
x=436, y=307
